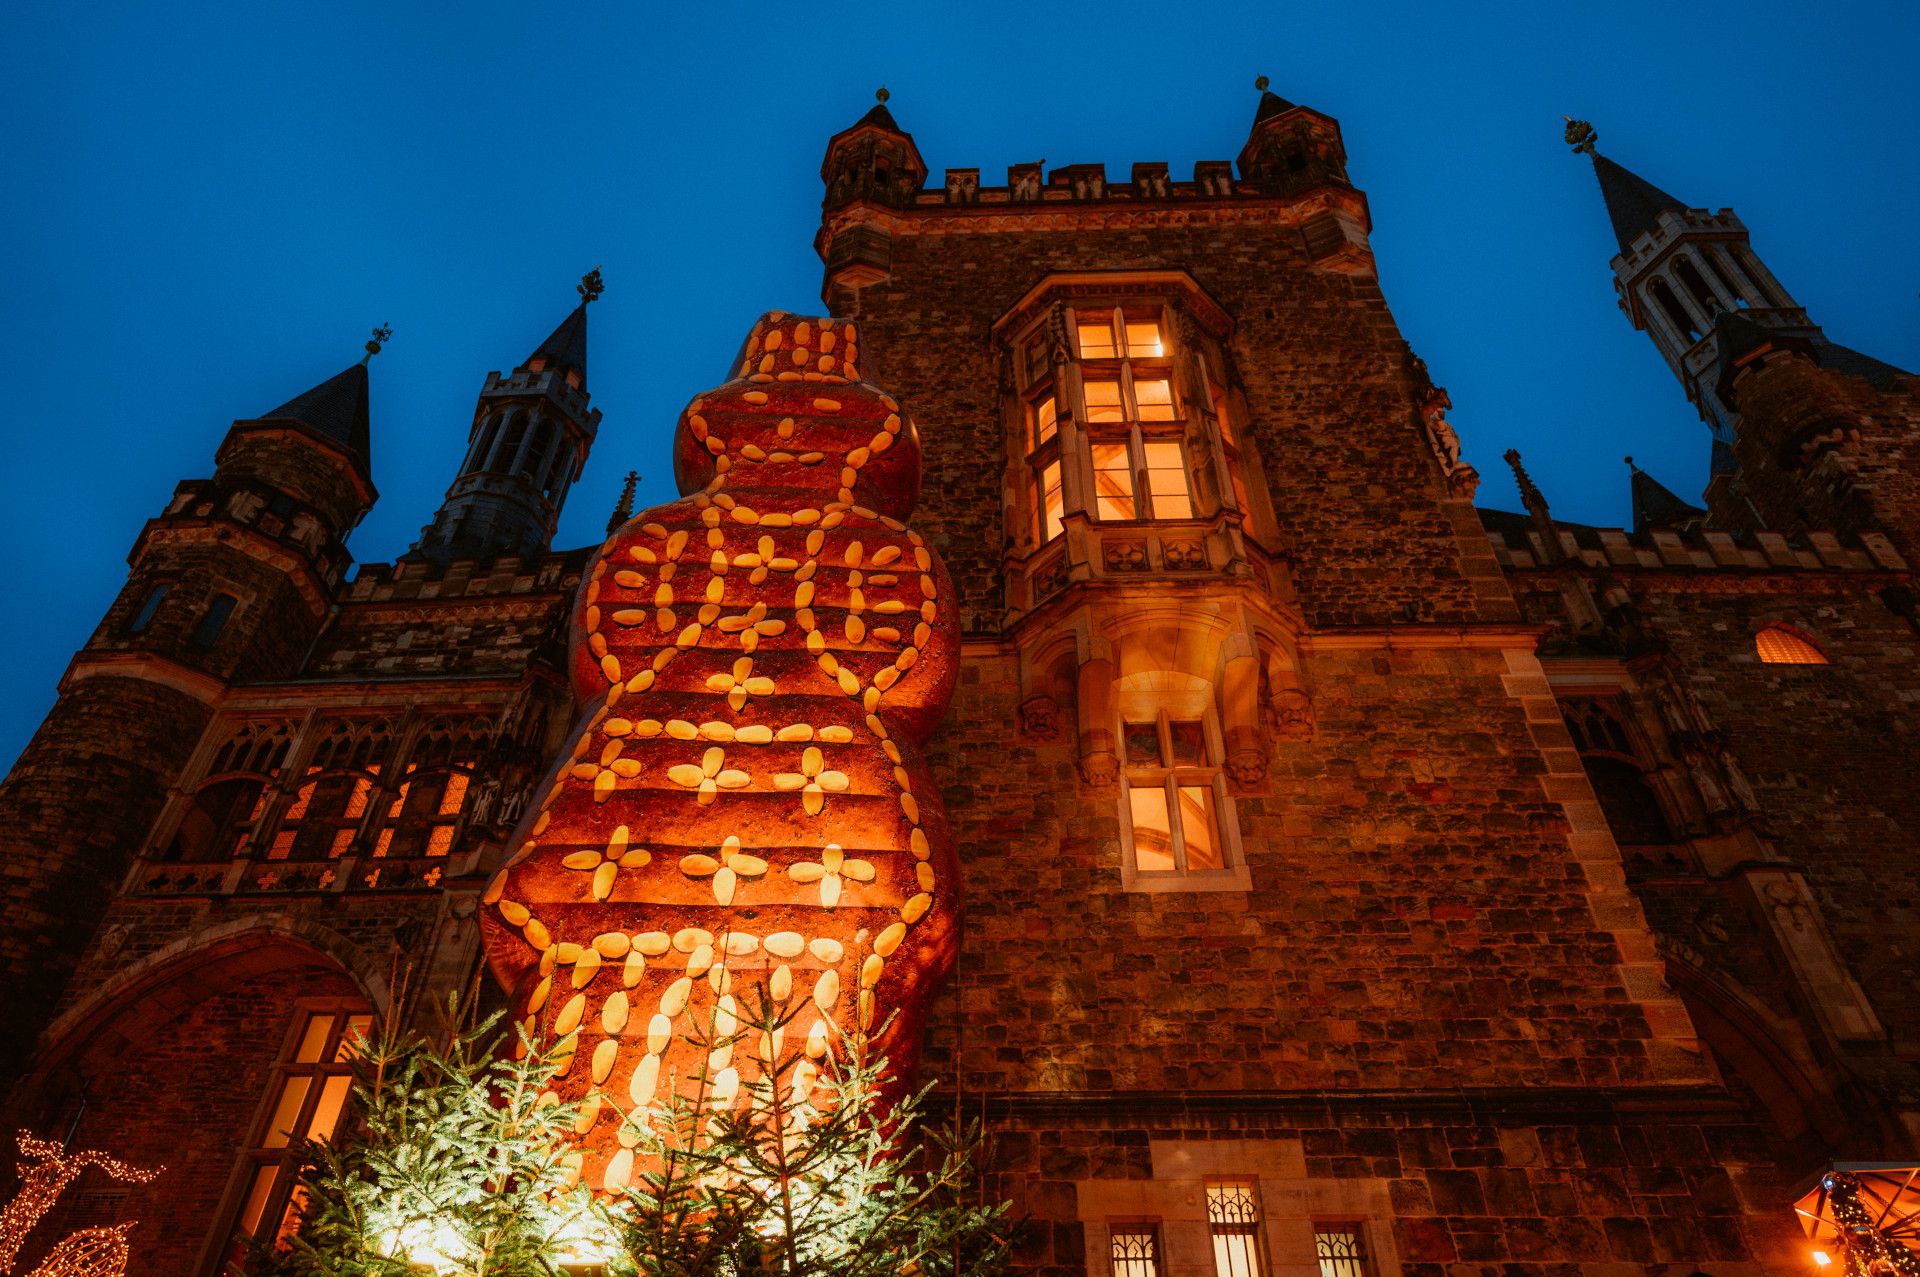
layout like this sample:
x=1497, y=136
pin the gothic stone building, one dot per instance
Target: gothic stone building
x=1355, y=881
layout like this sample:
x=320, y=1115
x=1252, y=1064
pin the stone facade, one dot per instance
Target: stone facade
x=1456, y=883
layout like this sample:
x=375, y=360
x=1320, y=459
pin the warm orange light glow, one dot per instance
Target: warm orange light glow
x=1053, y=506
x=1781, y=645
x=1821, y=1258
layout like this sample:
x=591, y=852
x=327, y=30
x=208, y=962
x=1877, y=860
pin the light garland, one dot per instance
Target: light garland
x=46, y=1169
x=1864, y=1248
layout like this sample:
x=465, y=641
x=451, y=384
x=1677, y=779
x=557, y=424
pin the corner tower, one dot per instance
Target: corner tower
x=231, y=583
x=531, y=433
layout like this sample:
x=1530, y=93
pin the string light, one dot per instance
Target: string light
x=45, y=1171
x=1864, y=1247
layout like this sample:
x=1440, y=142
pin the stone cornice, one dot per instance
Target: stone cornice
x=145, y=667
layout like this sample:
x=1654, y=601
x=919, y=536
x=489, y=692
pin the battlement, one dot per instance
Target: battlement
x=1519, y=544
x=1071, y=183
x=411, y=579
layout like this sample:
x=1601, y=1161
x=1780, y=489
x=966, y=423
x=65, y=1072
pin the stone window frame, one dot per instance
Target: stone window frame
x=1193, y=701
x=1796, y=636
x=1039, y=329
x=1292, y=1206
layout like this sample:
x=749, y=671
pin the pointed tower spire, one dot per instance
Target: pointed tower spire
x=336, y=411
x=1656, y=508
x=623, y=508
x=1633, y=204
x=1291, y=148
x=531, y=433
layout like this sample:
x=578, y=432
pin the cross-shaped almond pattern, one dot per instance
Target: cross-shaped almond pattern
x=751, y=626
x=813, y=781
x=741, y=683
x=711, y=776
x=726, y=871
x=608, y=771
x=829, y=871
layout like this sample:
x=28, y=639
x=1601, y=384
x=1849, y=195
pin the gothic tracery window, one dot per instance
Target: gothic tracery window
x=1134, y=1250
x=1779, y=644
x=1233, y=1217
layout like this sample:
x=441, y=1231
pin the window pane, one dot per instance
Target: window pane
x=1199, y=828
x=155, y=597
x=213, y=620
x=1135, y=1253
x=1167, y=479
x=357, y=1030
x=313, y=1040
x=1044, y=413
x=1779, y=645
x=286, y=1112
x=1189, y=742
x=1143, y=339
x=1143, y=744
x=1095, y=330
x=1339, y=1253
x=1152, y=836
x=1052, y=503
x=1155, y=397
x=1112, y=482
x=1234, y=1255
x=333, y=1096
x=1103, y=400
x=257, y=1194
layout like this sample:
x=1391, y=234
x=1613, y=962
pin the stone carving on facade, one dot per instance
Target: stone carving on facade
x=244, y=506
x=1433, y=402
x=963, y=185
x=1040, y=717
x=1024, y=179
x=760, y=662
x=1290, y=714
x=306, y=531
x=1124, y=556
x=1247, y=767
x=1184, y=556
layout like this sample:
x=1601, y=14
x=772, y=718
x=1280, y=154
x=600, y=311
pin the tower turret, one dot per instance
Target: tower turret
x=231, y=583
x=531, y=433
x=1690, y=280
x=876, y=162
x=1291, y=148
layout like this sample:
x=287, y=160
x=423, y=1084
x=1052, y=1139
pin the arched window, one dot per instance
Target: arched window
x=220, y=821
x=1694, y=284
x=513, y=433
x=1710, y=254
x=1676, y=313
x=483, y=438
x=1780, y=644
x=325, y=814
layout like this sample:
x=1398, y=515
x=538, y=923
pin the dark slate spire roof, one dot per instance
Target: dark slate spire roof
x=1654, y=506
x=336, y=410
x=1271, y=104
x=1850, y=361
x=879, y=117
x=567, y=346
x=1721, y=459
x=1633, y=203
x=1736, y=336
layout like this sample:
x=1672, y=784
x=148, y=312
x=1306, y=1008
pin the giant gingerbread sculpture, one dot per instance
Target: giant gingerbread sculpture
x=744, y=801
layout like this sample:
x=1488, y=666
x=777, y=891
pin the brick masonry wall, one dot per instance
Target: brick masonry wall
x=1357, y=498
x=1826, y=748
x=1416, y=918
x=71, y=812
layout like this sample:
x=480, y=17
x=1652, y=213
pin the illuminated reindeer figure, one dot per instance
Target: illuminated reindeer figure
x=45, y=1171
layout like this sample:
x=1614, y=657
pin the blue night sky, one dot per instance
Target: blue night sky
x=207, y=208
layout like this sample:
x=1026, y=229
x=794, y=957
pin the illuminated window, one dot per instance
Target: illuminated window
x=1045, y=413
x=212, y=621
x=1233, y=1216
x=324, y=816
x=305, y=1102
x=151, y=604
x=1340, y=1251
x=1784, y=645
x=1052, y=501
x=1171, y=795
x=1043, y=463
x=424, y=815
x=1135, y=1250
x=1131, y=416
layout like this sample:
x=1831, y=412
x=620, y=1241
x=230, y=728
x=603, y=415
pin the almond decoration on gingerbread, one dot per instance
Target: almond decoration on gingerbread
x=744, y=802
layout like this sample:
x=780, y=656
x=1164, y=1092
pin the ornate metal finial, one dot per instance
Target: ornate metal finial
x=881, y=95
x=623, y=508
x=1581, y=136
x=1260, y=84
x=1630, y=464
x=590, y=286
x=381, y=336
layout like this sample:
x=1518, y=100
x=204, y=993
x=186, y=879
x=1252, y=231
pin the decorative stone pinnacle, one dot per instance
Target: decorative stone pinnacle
x=623, y=508
x=1260, y=84
x=381, y=336
x=1581, y=136
x=881, y=95
x=590, y=286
